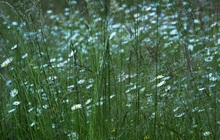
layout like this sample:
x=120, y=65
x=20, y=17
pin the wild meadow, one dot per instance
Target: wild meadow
x=110, y=70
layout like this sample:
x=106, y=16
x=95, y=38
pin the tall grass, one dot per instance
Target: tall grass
x=111, y=70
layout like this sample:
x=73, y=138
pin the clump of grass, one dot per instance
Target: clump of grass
x=132, y=70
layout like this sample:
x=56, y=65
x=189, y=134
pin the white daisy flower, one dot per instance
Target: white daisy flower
x=14, y=92
x=16, y=103
x=76, y=106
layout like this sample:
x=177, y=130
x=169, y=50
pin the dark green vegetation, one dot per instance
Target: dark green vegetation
x=101, y=70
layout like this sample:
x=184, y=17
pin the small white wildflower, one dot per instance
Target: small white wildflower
x=81, y=81
x=128, y=105
x=12, y=110
x=24, y=56
x=112, y=96
x=70, y=87
x=112, y=35
x=201, y=89
x=168, y=88
x=143, y=89
x=128, y=90
x=52, y=78
x=60, y=65
x=44, y=96
x=16, y=103
x=88, y=101
x=14, y=92
x=45, y=106
x=179, y=115
x=153, y=115
x=8, y=82
x=53, y=125
x=122, y=77
x=99, y=103
x=76, y=106
x=161, y=83
x=195, y=126
x=165, y=78
x=89, y=86
x=175, y=109
x=49, y=11
x=72, y=53
x=66, y=101
x=73, y=136
x=53, y=60
x=131, y=88
x=39, y=111
x=32, y=124
x=14, y=23
x=159, y=76
x=6, y=62
x=201, y=110
x=14, y=47
x=206, y=133
x=29, y=110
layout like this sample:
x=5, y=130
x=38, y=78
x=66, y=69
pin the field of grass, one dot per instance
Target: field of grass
x=110, y=71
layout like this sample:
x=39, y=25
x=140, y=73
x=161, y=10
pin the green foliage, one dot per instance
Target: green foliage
x=109, y=70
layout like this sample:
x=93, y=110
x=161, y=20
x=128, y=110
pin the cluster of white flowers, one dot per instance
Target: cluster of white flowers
x=6, y=62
